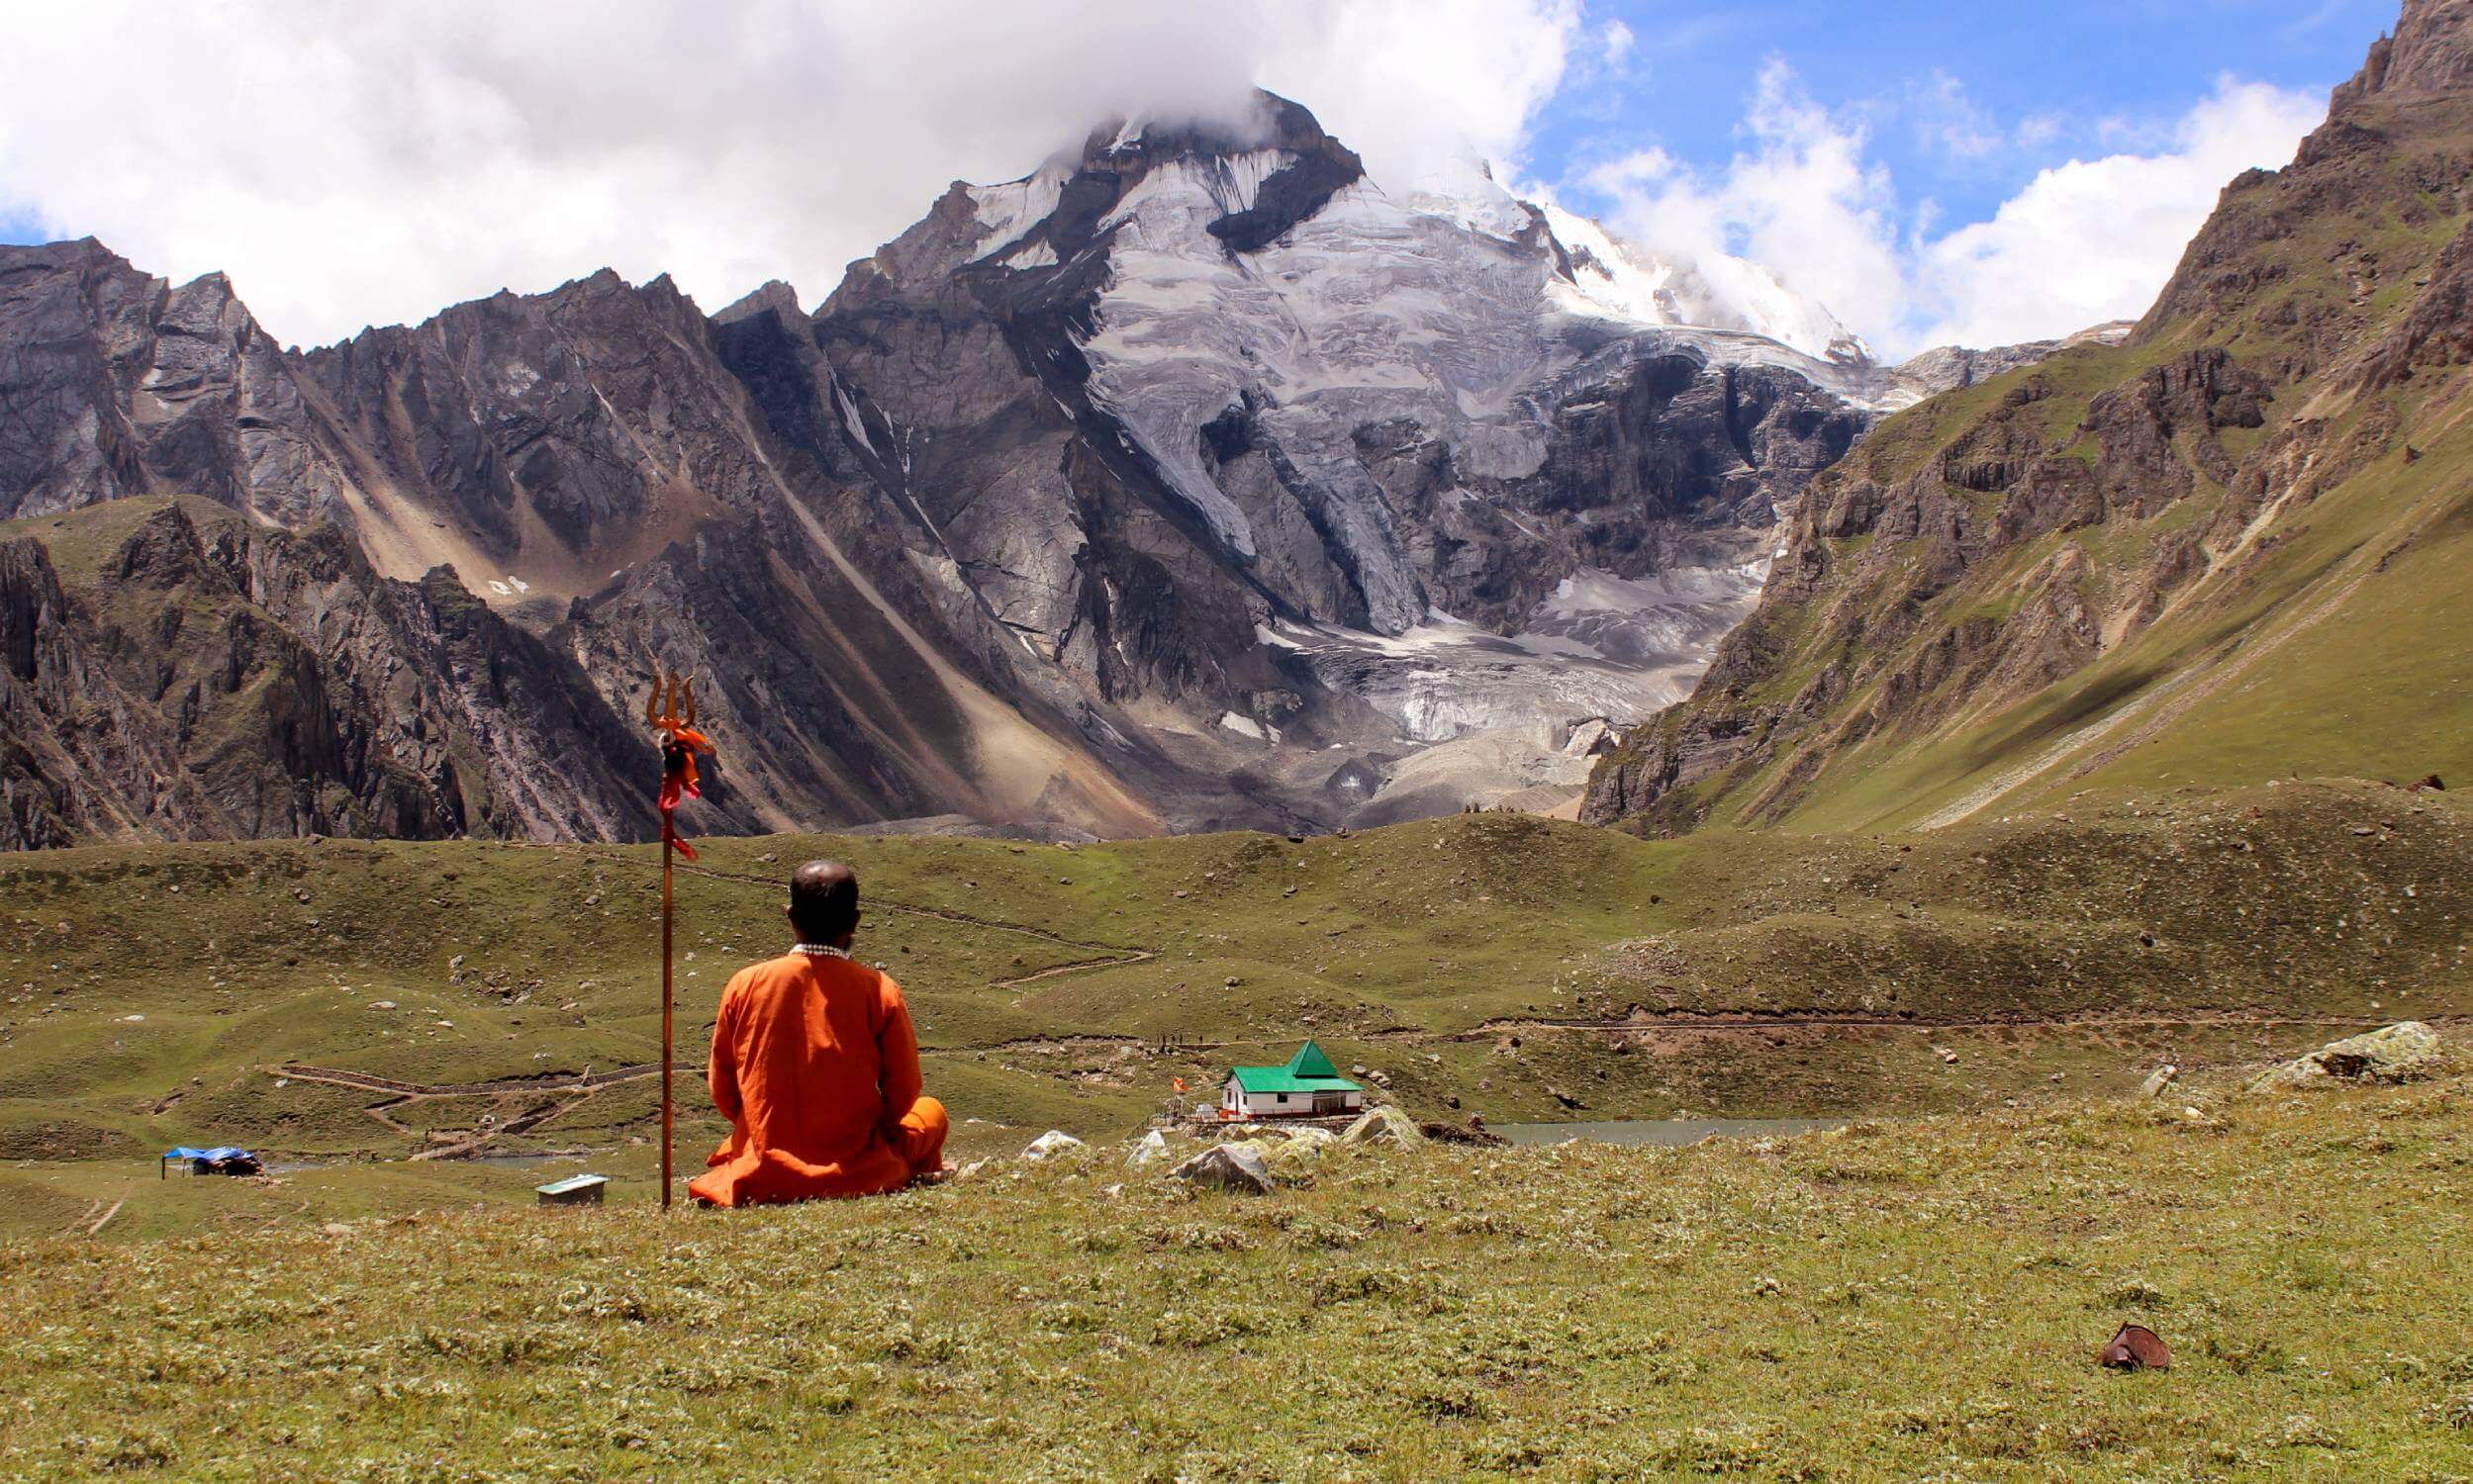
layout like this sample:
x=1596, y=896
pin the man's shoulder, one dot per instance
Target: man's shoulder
x=764, y=973
x=791, y=968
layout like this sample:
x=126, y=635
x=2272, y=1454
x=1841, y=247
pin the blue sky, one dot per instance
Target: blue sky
x=1943, y=172
x=2101, y=72
x=1929, y=172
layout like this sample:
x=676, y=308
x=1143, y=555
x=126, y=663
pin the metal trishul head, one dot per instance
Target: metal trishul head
x=670, y=707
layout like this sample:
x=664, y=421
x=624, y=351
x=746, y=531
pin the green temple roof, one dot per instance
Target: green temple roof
x=1309, y=1070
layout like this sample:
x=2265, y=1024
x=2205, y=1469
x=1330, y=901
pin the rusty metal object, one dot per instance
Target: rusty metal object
x=670, y=711
x=2137, y=1347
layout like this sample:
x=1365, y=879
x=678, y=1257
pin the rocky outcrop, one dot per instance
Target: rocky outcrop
x=2438, y=331
x=1228, y=1167
x=211, y=680
x=1872, y=554
x=2428, y=55
x=1948, y=368
x=2405, y=1052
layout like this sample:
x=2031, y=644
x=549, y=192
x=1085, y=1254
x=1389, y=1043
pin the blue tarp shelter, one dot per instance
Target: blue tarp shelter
x=228, y=1159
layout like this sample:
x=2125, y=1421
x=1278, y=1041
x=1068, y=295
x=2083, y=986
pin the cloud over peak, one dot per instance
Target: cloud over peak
x=353, y=164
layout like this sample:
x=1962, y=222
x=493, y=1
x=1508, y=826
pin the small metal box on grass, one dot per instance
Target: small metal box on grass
x=574, y=1190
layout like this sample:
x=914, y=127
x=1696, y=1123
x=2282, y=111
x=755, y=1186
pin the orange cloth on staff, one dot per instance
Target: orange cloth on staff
x=817, y=1067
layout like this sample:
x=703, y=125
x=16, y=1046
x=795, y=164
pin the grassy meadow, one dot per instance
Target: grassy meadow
x=1900, y=1299
x=1919, y=1295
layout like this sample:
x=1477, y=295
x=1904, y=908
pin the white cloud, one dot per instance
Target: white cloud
x=2092, y=240
x=1413, y=86
x=1802, y=201
x=2039, y=129
x=1949, y=120
x=1616, y=39
x=352, y=163
x=2083, y=242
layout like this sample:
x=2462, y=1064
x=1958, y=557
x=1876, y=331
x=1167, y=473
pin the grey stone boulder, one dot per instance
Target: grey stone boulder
x=1228, y=1167
x=1152, y=1149
x=2157, y=1082
x=1053, y=1142
x=2401, y=1052
x=1385, y=1122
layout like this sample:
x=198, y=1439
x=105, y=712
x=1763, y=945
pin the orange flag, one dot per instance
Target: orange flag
x=679, y=745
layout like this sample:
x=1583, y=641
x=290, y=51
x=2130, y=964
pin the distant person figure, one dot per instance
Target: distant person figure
x=817, y=1067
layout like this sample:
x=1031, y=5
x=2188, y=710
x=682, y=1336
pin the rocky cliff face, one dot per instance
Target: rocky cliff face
x=120, y=384
x=1158, y=489
x=2097, y=568
x=182, y=674
x=580, y=484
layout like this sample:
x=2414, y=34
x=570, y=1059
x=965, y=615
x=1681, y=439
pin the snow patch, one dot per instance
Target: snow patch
x=1007, y=211
x=850, y=418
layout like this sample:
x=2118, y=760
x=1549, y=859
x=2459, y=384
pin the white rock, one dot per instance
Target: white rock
x=2400, y=1053
x=1052, y=1141
x=1152, y=1150
x=1228, y=1167
x=1385, y=1122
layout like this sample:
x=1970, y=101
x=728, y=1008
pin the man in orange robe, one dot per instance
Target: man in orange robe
x=816, y=1065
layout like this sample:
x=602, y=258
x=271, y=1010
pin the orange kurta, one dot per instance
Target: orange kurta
x=816, y=1065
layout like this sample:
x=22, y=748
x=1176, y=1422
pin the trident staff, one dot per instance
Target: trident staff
x=671, y=710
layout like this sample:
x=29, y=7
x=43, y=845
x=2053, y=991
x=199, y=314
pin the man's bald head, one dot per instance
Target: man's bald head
x=825, y=901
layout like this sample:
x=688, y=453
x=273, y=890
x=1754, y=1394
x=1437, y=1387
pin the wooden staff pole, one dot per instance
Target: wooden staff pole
x=671, y=712
x=667, y=1103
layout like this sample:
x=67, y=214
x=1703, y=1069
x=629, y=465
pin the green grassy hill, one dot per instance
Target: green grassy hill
x=2238, y=547
x=1499, y=964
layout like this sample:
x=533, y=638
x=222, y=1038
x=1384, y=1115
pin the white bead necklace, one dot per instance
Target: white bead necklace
x=819, y=951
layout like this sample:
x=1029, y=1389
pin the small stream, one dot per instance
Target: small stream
x=1667, y=1131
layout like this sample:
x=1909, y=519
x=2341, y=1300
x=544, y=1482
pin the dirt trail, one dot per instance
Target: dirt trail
x=409, y=1091
x=1084, y=966
x=523, y=1123
x=1118, y=954
x=875, y=903
x=476, y=1140
x=1830, y=1020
